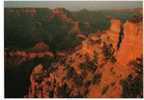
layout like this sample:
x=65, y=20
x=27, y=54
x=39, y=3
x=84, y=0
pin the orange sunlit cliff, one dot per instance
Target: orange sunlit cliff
x=95, y=68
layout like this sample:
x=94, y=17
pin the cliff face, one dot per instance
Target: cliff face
x=112, y=34
x=131, y=46
x=95, y=68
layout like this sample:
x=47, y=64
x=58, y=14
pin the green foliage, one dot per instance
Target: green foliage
x=137, y=65
x=90, y=65
x=71, y=73
x=132, y=87
x=108, y=51
x=96, y=78
x=63, y=91
x=51, y=94
x=78, y=79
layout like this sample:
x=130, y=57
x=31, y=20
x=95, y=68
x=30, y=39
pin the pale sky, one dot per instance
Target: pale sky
x=75, y=5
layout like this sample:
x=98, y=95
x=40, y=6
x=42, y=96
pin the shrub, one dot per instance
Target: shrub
x=63, y=91
x=71, y=72
x=132, y=87
x=96, y=78
x=91, y=65
x=137, y=65
x=108, y=51
x=78, y=80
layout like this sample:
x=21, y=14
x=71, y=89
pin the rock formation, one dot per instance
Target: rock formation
x=96, y=68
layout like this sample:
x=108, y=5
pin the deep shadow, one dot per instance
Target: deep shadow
x=17, y=79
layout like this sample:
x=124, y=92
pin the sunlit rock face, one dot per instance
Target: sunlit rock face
x=93, y=69
x=112, y=34
x=114, y=31
x=87, y=48
x=115, y=25
x=131, y=46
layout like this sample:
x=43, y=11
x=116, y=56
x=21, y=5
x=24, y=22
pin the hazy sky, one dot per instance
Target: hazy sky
x=76, y=5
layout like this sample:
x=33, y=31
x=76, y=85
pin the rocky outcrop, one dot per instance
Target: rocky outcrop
x=131, y=46
x=96, y=68
x=112, y=34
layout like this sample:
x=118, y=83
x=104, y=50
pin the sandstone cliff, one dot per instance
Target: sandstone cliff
x=95, y=68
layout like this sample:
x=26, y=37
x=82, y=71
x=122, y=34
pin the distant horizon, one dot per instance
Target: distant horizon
x=75, y=5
